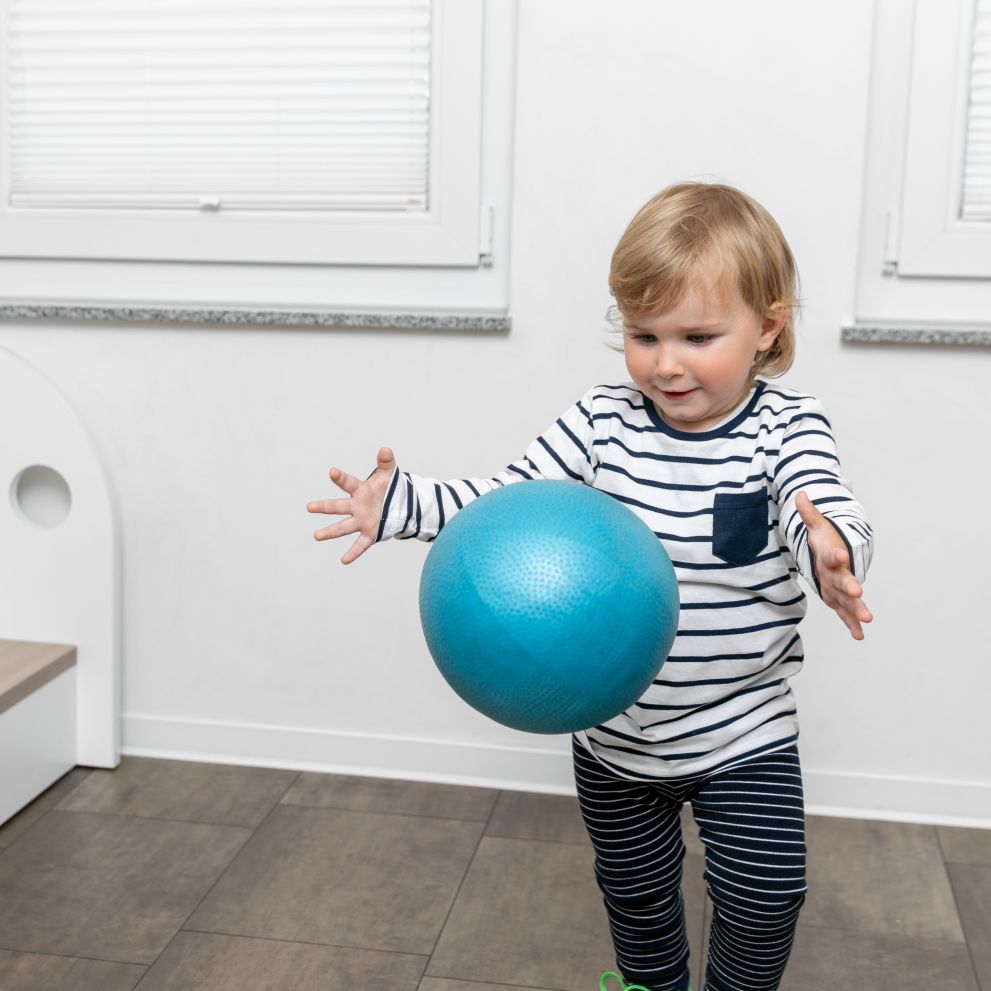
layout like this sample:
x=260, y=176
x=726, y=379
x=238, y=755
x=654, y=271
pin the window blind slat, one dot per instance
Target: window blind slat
x=976, y=193
x=356, y=7
x=233, y=104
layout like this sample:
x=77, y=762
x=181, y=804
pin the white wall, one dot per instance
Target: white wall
x=247, y=641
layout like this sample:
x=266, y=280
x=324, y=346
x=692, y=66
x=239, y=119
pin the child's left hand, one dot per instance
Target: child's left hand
x=837, y=585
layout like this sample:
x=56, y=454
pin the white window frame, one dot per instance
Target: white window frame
x=447, y=234
x=918, y=262
x=933, y=240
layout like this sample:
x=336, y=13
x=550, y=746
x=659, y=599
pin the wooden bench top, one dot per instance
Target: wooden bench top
x=26, y=666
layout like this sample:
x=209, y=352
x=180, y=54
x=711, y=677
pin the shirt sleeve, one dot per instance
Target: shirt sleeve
x=417, y=507
x=808, y=461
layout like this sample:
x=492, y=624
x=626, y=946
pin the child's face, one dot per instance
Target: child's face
x=694, y=361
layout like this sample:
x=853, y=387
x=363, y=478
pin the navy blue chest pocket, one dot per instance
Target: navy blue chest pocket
x=739, y=526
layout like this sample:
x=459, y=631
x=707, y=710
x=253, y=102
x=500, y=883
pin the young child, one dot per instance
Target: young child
x=741, y=482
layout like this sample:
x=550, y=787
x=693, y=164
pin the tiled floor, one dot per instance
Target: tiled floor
x=169, y=876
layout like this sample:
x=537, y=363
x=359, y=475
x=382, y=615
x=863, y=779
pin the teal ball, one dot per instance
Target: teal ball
x=548, y=606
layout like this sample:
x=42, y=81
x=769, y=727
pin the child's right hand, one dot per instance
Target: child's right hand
x=363, y=509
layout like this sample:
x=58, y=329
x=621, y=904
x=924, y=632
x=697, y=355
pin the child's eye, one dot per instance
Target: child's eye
x=646, y=338
x=699, y=339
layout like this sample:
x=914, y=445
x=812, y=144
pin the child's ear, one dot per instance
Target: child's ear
x=772, y=325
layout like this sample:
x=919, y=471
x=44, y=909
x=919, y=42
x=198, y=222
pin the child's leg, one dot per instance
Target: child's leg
x=752, y=822
x=636, y=833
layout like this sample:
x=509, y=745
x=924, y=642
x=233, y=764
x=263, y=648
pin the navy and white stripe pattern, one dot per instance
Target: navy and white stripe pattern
x=751, y=820
x=722, y=502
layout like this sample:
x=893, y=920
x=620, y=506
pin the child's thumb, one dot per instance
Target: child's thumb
x=386, y=460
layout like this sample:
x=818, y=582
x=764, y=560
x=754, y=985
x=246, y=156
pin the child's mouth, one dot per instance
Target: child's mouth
x=675, y=396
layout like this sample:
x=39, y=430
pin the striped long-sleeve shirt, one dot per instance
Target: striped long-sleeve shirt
x=722, y=502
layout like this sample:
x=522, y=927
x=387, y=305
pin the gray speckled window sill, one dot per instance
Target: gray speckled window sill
x=916, y=334
x=435, y=320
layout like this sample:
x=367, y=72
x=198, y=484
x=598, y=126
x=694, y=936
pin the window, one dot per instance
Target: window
x=945, y=229
x=926, y=224
x=244, y=131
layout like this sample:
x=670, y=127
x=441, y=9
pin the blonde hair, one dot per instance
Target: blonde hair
x=686, y=228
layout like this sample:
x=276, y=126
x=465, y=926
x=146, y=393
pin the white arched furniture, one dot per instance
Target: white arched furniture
x=59, y=585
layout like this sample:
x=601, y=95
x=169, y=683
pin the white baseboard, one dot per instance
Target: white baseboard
x=522, y=768
x=372, y=755
x=897, y=799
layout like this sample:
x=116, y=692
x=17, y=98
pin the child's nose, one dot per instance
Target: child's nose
x=668, y=363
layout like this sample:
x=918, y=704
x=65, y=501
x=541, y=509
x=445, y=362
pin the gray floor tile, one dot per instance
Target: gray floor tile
x=108, y=887
x=827, y=959
x=530, y=816
x=965, y=846
x=38, y=972
x=879, y=877
x=690, y=831
x=530, y=915
x=192, y=792
x=521, y=815
x=235, y=963
x=347, y=883
x=443, y=984
x=338, y=791
x=361, y=879
x=972, y=886
x=696, y=901
x=45, y=802
x=703, y=957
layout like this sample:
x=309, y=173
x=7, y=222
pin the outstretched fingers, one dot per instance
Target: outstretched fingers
x=853, y=619
x=839, y=588
x=340, y=529
x=345, y=480
x=362, y=510
x=844, y=594
x=357, y=548
x=330, y=507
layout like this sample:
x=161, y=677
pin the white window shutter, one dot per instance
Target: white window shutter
x=316, y=132
x=219, y=104
x=938, y=235
x=976, y=196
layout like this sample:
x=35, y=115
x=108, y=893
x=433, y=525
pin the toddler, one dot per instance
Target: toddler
x=741, y=482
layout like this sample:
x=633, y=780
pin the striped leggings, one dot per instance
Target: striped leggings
x=752, y=823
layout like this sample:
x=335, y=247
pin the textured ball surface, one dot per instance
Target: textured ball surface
x=548, y=606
